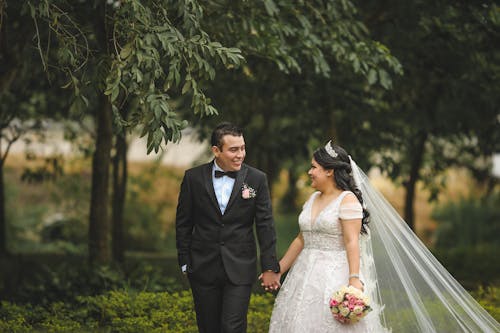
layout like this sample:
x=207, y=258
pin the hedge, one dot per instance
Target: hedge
x=126, y=311
x=122, y=311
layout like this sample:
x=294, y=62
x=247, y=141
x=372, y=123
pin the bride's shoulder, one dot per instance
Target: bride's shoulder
x=349, y=198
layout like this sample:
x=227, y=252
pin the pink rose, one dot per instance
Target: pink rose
x=245, y=193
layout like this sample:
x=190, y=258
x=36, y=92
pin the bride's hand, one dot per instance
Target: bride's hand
x=356, y=283
x=270, y=281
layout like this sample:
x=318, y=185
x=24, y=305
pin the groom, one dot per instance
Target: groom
x=219, y=204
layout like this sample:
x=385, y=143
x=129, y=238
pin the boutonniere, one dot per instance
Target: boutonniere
x=247, y=192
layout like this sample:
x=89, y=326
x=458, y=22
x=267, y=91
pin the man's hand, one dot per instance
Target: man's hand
x=270, y=281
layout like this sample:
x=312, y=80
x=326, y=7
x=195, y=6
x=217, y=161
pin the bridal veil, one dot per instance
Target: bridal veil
x=414, y=292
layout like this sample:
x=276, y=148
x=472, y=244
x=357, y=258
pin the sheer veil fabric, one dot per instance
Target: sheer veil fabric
x=414, y=291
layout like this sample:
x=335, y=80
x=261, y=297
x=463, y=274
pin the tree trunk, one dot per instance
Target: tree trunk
x=3, y=221
x=99, y=251
x=410, y=185
x=119, y=193
x=3, y=157
x=288, y=202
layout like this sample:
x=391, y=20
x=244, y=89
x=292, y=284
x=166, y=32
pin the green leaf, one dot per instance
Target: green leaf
x=385, y=79
x=186, y=87
x=158, y=112
x=115, y=92
x=372, y=76
x=126, y=51
x=271, y=7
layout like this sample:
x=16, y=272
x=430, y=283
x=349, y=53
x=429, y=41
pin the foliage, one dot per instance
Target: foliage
x=130, y=312
x=287, y=228
x=150, y=206
x=443, y=111
x=61, y=278
x=489, y=298
x=161, y=49
x=302, y=36
x=41, y=213
x=155, y=57
x=471, y=265
x=52, y=216
x=283, y=108
x=469, y=222
x=259, y=312
x=121, y=311
x=152, y=57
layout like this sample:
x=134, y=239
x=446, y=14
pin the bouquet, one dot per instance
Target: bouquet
x=349, y=305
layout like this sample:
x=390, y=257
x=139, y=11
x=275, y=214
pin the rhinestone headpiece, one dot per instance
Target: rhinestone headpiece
x=330, y=150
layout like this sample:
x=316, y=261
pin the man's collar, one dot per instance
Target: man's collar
x=216, y=166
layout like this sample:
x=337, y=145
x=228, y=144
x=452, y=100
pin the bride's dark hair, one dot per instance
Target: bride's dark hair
x=341, y=165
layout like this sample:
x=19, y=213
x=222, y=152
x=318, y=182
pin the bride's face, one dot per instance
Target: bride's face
x=320, y=177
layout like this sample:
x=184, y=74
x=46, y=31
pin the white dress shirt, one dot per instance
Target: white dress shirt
x=223, y=187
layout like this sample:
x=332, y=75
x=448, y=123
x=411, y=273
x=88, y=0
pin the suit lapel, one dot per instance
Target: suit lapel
x=209, y=184
x=238, y=183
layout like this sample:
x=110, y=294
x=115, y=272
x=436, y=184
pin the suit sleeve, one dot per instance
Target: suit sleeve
x=184, y=223
x=266, y=233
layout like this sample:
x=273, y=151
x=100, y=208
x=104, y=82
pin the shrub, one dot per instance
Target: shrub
x=468, y=222
x=472, y=266
x=259, y=312
x=43, y=279
x=122, y=311
x=489, y=298
x=63, y=281
x=15, y=318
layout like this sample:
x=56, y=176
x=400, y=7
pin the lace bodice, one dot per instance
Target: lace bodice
x=325, y=232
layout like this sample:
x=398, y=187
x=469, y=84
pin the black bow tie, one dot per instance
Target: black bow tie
x=231, y=174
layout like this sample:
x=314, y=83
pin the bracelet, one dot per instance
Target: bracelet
x=356, y=276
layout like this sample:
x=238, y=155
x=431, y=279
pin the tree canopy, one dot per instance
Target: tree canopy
x=154, y=58
x=444, y=111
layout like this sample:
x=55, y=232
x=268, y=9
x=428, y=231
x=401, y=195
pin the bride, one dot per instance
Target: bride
x=410, y=291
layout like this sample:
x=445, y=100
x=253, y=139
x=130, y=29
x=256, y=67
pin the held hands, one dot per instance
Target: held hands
x=270, y=281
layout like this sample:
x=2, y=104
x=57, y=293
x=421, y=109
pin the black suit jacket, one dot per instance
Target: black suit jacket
x=204, y=235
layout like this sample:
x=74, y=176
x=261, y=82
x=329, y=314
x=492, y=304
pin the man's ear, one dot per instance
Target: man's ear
x=216, y=150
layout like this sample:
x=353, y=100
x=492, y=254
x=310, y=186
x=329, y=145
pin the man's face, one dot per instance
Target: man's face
x=231, y=157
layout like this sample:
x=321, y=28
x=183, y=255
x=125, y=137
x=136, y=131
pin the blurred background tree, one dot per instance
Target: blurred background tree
x=444, y=111
x=132, y=57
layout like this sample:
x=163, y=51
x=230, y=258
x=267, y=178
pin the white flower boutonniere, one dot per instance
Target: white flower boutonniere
x=247, y=192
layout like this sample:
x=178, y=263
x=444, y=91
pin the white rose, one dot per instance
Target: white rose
x=358, y=309
x=339, y=297
x=344, y=311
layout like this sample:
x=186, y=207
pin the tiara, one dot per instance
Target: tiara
x=330, y=150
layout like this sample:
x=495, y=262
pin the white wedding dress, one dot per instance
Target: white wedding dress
x=320, y=269
x=409, y=289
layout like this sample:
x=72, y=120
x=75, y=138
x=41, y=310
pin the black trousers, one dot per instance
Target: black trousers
x=221, y=307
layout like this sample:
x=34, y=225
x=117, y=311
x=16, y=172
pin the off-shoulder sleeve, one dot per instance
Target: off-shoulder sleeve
x=351, y=211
